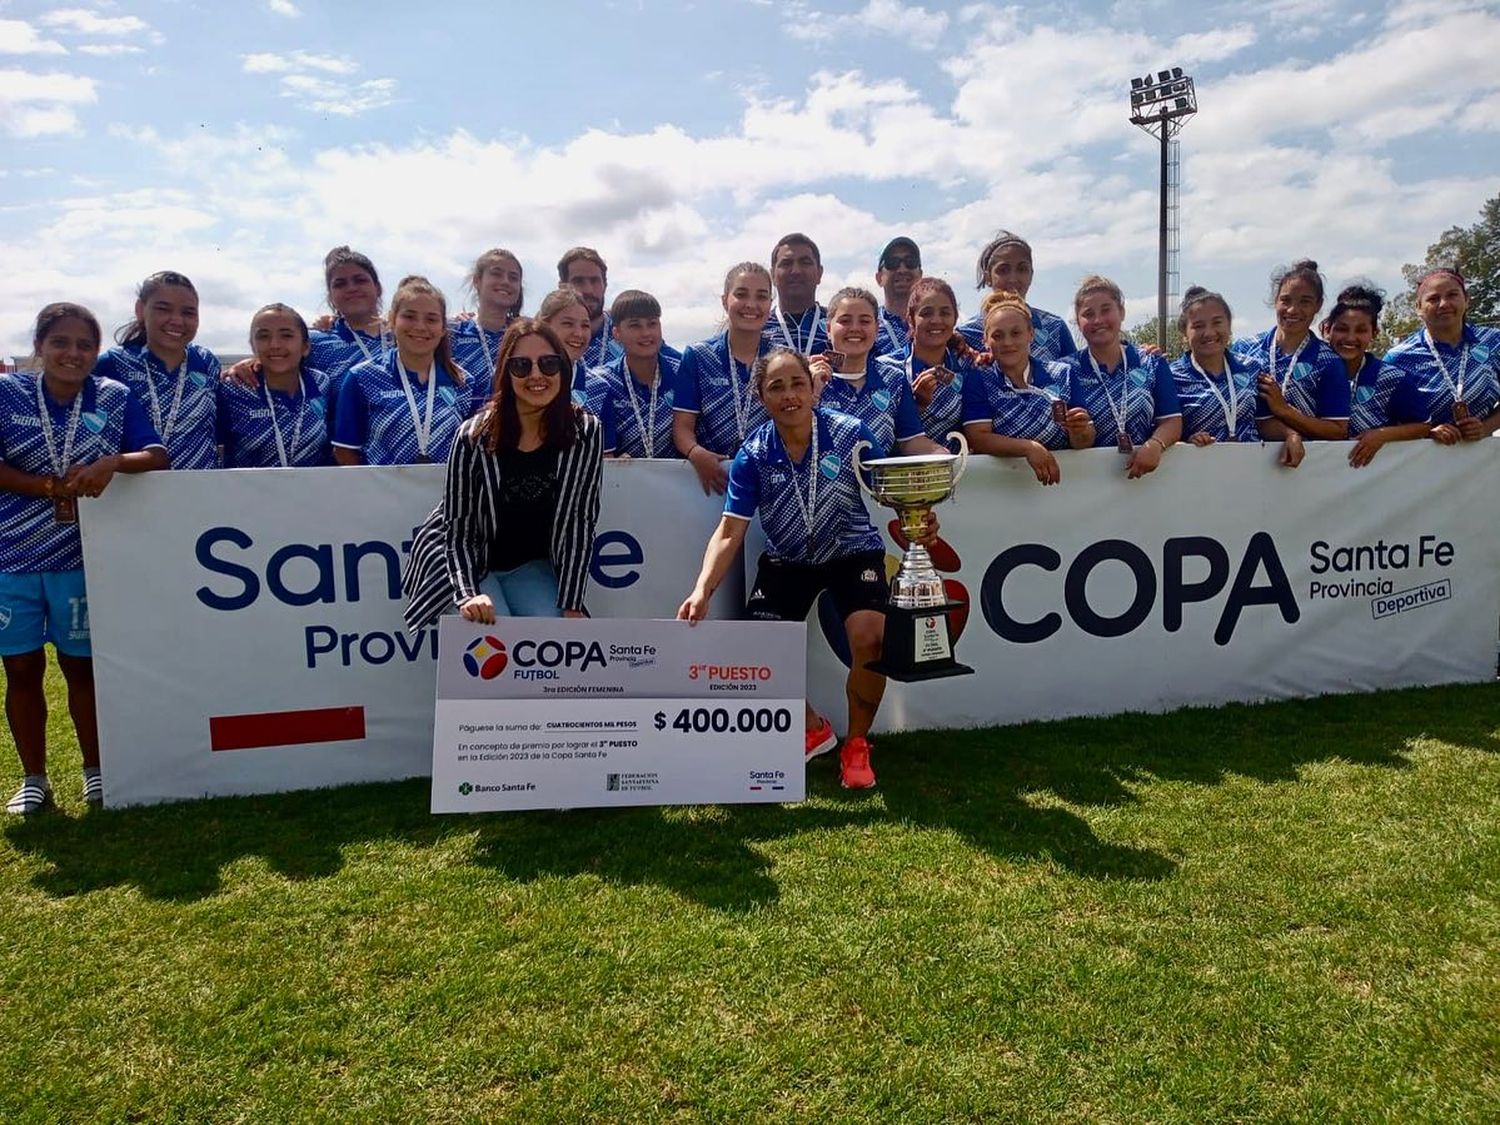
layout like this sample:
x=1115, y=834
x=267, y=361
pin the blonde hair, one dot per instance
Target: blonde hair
x=1003, y=299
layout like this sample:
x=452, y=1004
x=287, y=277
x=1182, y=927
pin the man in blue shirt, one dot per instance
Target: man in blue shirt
x=797, y=321
x=582, y=269
x=897, y=270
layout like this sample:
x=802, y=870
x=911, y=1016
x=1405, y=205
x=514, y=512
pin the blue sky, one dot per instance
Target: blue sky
x=236, y=142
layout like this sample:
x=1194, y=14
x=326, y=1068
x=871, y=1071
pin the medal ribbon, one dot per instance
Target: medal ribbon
x=423, y=430
x=1122, y=412
x=1230, y=405
x=648, y=427
x=163, y=429
x=1457, y=389
x=300, y=409
x=60, y=464
x=808, y=505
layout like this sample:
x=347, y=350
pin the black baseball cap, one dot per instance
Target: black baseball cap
x=894, y=244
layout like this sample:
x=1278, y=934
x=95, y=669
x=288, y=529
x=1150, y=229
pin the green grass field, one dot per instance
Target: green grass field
x=1285, y=912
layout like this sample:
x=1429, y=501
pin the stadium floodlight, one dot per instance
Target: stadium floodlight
x=1161, y=104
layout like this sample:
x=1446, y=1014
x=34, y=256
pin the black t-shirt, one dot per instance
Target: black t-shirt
x=527, y=503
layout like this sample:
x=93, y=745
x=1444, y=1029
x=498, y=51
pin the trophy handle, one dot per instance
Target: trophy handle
x=859, y=470
x=963, y=457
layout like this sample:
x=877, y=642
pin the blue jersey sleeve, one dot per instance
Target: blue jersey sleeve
x=1408, y=404
x=1333, y=390
x=599, y=400
x=742, y=496
x=976, y=399
x=687, y=395
x=1066, y=345
x=137, y=433
x=351, y=427
x=1167, y=403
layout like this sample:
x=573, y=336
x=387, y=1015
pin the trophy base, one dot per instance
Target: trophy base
x=917, y=645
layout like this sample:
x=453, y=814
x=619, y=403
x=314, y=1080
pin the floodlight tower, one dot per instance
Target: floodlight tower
x=1161, y=104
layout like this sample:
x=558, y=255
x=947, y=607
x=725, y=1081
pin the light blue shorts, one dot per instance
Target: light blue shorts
x=49, y=605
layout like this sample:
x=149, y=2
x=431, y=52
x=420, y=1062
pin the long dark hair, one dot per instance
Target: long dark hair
x=499, y=427
x=135, y=332
x=48, y=318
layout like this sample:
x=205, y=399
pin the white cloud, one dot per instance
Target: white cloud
x=33, y=105
x=110, y=50
x=284, y=8
x=302, y=80
x=1288, y=158
x=17, y=37
x=322, y=95
x=297, y=62
x=84, y=22
x=919, y=26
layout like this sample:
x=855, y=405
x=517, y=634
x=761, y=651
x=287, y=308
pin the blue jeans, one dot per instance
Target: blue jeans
x=530, y=590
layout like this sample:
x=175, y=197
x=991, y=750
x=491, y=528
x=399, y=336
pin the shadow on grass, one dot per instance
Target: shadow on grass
x=974, y=783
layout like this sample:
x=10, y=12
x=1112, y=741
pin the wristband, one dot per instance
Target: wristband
x=1159, y=443
x=689, y=455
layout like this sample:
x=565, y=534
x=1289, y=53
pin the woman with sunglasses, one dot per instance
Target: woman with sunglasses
x=513, y=533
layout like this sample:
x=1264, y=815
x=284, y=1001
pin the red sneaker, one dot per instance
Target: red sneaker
x=820, y=739
x=854, y=764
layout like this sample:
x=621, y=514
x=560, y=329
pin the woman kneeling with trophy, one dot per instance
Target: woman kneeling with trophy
x=799, y=471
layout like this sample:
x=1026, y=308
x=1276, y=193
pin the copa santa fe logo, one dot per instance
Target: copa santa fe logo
x=485, y=657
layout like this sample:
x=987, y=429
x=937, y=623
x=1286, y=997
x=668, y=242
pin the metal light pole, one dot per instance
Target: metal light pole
x=1161, y=105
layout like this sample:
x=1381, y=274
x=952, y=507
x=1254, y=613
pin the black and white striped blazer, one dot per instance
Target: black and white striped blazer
x=450, y=550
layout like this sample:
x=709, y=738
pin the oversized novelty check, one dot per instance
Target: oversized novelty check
x=544, y=713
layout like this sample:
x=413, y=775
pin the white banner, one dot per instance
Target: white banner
x=539, y=713
x=247, y=623
x=259, y=610
x=1220, y=577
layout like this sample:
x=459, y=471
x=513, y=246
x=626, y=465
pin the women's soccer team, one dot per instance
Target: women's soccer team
x=768, y=411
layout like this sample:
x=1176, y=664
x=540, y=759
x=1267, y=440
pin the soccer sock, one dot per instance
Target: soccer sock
x=39, y=780
x=90, y=771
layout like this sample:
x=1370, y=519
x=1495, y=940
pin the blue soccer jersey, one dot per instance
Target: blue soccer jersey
x=602, y=348
x=893, y=336
x=1135, y=396
x=1313, y=377
x=380, y=410
x=1051, y=339
x=716, y=387
x=807, y=333
x=262, y=428
x=1209, y=401
x=476, y=349
x=883, y=403
x=182, y=404
x=1374, y=398
x=1437, y=374
x=637, y=420
x=340, y=350
x=1020, y=412
x=944, y=412
x=813, y=511
x=105, y=418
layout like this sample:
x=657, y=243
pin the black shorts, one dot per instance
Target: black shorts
x=785, y=591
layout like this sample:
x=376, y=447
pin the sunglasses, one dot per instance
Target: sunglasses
x=519, y=366
x=903, y=261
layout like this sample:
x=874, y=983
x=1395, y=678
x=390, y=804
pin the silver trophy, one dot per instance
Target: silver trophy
x=918, y=637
